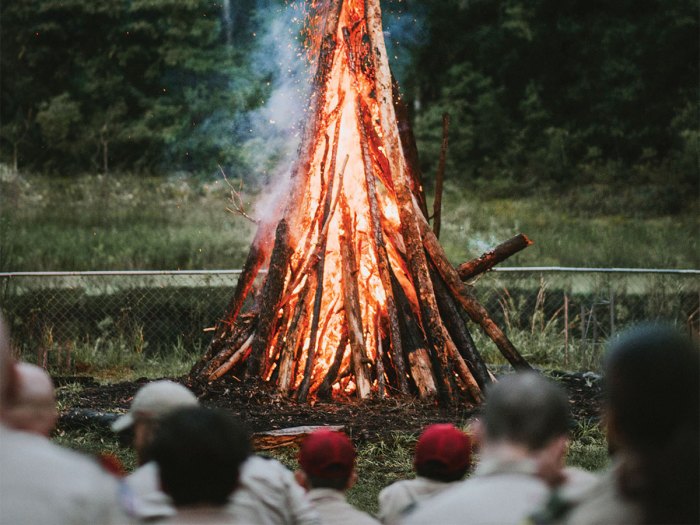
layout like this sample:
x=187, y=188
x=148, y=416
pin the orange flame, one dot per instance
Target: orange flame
x=337, y=175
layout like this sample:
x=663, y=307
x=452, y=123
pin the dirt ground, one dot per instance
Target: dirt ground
x=263, y=409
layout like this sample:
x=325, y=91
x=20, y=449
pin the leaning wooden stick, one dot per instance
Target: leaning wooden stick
x=440, y=176
x=491, y=258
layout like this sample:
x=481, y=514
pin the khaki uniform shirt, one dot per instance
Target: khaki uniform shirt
x=267, y=494
x=204, y=515
x=43, y=483
x=335, y=510
x=576, y=482
x=602, y=504
x=398, y=497
x=499, y=492
x=148, y=501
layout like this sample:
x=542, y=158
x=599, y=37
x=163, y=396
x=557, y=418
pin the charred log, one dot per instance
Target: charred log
x=488, y=260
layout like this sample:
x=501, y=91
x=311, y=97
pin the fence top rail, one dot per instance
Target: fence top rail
x=119, y=273
x=686, y=271
x=522, y=269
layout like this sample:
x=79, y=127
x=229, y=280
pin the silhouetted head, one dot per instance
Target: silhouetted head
x=525, y=409
x=151, y=403
x=651, y=386
x=199, y=452
x=652, y=391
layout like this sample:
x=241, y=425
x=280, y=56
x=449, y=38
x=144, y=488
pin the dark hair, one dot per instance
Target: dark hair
x=199, y=452
x=436, y=470
x=527, y=409
x=652, y=390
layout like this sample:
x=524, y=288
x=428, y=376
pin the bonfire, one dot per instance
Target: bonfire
x=359, y=298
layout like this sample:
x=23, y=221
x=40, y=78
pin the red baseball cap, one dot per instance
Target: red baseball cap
x=327, y=454
x=446, y=445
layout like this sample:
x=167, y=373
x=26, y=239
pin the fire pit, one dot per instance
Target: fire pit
x=359, y=298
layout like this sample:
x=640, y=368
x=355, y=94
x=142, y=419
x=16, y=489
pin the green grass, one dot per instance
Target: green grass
x=125, y=222
x=379, y=463
x=114, y=359
x=569, y=233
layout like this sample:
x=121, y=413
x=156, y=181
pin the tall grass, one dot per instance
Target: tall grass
x=126, y=222
x=111, y=358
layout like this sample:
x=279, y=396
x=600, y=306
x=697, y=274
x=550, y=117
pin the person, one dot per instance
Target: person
x=651, y=406
x=151, y=403
x=41, y=482
x=199, y=453
x=33, y=408
x=327, y=470
x=267, y=495
x=523, y=435
x=442, y=457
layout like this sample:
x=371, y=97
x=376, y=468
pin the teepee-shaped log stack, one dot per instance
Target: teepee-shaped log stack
x=359, y=297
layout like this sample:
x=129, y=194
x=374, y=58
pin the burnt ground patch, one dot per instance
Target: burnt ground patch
x=262, y=408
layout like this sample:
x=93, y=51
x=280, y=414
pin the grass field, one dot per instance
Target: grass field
x=180, y=222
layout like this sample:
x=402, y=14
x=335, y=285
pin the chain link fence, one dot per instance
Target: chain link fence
x=555, y=316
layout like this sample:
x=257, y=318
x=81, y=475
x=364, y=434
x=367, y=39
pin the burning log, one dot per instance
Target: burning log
x=272, y=291
x=439, y=178
x=474, y=309
x=359, y=299
x=488, y=260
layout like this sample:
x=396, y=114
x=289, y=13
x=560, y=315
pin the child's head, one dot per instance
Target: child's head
x=443, y=453
x=327, y=459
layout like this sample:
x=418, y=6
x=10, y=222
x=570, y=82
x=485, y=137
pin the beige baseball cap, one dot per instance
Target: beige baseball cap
x=154, y=400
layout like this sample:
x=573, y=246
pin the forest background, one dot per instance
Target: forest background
x=538, y=91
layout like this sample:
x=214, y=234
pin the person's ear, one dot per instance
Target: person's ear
x=301, y=479
x=476, y=432
x=352, y=479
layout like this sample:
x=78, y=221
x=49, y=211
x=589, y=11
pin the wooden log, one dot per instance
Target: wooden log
x=422, y=371
x=286, y=437
x=238, y=357
x=280, y=342
x=417, y=261
x=326, y=388
x=243, y=331
x=310, y=133
x=382, y=256
x=477, y=313
x=458, y=331
x=351, y=304
x=255, y=259
x=288, y=357
x=271, y=294
x=320, y=264
x=491, y=258
x=379, y=362
x=440, y=176
x=416, y=346
x=331, y=312
x=408, y=143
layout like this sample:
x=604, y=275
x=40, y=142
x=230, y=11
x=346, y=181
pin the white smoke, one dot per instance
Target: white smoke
x=271, y=133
